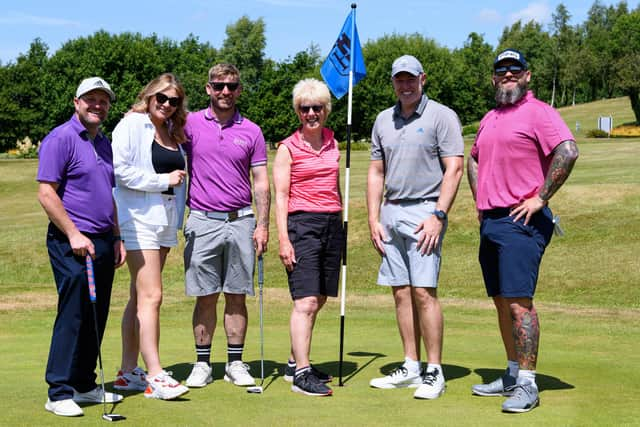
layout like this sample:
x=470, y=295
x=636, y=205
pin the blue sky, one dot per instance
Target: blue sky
x=291, y=25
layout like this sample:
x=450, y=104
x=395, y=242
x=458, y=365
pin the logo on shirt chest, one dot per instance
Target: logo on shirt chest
x=241, y=142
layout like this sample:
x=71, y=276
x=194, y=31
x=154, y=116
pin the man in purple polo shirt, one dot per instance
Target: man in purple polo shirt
x=75, y=176
x=522, y=155
x=222, y=235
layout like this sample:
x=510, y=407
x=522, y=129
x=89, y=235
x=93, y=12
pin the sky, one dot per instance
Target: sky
x=291, y=25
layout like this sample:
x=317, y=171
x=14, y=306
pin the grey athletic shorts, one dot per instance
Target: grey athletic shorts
x=219, y=255
x=402, y=263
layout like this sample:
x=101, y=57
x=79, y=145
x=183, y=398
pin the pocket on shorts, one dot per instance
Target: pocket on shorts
x=199, y=226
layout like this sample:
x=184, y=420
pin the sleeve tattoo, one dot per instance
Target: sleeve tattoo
x=564, y=157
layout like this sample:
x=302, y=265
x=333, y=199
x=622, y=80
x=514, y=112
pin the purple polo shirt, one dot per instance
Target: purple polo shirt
x=514, y=147
x=220, y=157
x=84, y=174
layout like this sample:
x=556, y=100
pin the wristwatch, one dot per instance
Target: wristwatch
x=441, y=215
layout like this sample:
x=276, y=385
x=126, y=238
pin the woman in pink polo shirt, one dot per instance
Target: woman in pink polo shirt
x=306, y=176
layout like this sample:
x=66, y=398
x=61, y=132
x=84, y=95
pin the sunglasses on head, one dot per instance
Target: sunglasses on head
x=316, y=108
x=514, y=69
x=162, y=98
x=218, y=86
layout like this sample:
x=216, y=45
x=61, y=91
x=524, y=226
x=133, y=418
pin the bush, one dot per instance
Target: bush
x=25, y=149
x=470, y=130
x=361, y=145
x=626, y=131
x=596, y=133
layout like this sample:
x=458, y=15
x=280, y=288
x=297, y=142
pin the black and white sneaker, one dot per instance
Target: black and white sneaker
x=289, y=372
x=307, y=383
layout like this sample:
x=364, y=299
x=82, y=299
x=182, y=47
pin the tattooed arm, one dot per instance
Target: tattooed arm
x=262, y=196
x=472, y=177
x=564, y=157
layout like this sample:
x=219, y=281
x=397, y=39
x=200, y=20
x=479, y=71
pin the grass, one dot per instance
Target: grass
x=588, y=300
x=587, y=114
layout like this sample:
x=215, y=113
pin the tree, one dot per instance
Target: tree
x=191, y=62
x=23, y=97
x=473, y=89
x=536, y=46
x=244, y=48
x=625, y=37
x=270, y=103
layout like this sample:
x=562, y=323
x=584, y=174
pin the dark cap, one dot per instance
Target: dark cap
x=511, y=54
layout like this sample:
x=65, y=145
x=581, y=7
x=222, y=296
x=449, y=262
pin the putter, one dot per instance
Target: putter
x=92, y=296
x=259, y=389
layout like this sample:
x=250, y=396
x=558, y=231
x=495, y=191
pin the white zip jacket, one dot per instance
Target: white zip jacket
x=138, y=191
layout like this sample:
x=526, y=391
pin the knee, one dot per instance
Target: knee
x=307, y=306
x=235, y=303
x=206, y=303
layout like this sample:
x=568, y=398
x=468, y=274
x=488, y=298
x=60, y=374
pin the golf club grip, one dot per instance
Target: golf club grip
x=260, y=270
x=91, y=278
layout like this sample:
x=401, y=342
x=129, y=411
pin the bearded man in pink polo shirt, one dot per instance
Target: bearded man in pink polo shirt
x=522, y=155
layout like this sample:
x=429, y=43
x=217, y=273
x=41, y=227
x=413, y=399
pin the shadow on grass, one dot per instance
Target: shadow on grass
x=544, y=382
x=451, y=372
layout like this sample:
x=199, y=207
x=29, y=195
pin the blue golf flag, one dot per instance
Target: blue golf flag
x=345, y=55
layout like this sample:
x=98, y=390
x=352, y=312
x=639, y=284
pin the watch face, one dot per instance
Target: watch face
x=440, y=214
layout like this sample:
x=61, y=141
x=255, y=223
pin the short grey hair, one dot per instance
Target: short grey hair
x=311, y=90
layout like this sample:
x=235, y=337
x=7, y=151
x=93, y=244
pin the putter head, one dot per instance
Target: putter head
x=255, y=389
x=113, y=417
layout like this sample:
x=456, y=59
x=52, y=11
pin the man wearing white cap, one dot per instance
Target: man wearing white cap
x=75, y=176
x=416, y=164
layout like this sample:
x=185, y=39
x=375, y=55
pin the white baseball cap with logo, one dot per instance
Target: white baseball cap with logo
x=95, y=83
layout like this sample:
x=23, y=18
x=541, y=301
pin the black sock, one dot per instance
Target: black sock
x=203, y=352
x=234, y=352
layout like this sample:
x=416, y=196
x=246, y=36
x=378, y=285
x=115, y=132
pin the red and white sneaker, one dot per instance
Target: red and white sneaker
x=164, y=387
x=135, y=380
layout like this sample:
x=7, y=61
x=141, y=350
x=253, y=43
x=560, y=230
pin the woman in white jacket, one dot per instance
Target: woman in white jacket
x=150, y=195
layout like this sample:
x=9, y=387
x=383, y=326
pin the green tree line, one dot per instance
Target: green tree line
x=599, y=58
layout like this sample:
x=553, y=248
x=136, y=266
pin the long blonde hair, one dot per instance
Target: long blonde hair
x=178, y=119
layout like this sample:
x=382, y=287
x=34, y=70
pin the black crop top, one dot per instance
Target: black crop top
x=166, y=160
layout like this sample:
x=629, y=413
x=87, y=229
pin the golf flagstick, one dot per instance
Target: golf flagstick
x=92, y=297
x=259, y=389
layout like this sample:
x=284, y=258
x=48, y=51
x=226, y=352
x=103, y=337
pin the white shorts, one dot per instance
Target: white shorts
x=138, y=235
x=403, y=264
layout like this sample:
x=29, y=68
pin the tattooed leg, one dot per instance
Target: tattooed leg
x=526, y=332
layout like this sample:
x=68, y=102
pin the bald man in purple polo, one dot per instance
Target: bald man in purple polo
x=75, y=176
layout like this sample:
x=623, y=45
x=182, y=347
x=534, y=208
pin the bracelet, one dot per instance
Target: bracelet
x=117, y=238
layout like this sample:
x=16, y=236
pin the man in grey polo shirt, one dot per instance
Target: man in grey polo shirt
x=417, y=162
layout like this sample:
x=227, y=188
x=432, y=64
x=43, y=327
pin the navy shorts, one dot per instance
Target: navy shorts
x=511, y=252
x=318, y=240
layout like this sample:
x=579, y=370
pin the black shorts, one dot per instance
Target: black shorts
x=318, y=240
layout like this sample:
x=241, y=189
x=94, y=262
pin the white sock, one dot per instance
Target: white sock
x=529, y=375
x=412, y=365
x=432, y=367
x=514, y=367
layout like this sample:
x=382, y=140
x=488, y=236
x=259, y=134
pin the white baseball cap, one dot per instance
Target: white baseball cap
x=95, y=83
x=408, y=64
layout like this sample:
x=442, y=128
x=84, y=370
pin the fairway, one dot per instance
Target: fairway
x=588, y=301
